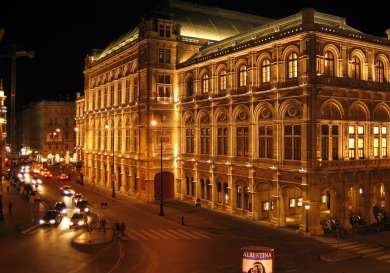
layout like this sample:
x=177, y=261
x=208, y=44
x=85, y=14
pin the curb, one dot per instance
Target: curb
x=90, y=243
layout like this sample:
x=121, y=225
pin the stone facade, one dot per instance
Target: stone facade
x=293, y=113
x=48, y=127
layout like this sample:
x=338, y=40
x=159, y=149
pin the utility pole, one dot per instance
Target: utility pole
x=13, y=54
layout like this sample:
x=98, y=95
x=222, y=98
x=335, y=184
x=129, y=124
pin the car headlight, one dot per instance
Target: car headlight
x=80, y=223
x=41, y=221
x=77, y=210
x=72, y=192
x=52, y=221
x=86, y=209
x=63, y=211
x=66, y=192
x=70, y=223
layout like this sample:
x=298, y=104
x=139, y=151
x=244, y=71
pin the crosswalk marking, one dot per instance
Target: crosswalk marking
x=377, y=253
x=165, y=234
x=187, y=233
x=380, y=258
x=375, y=249
x=347, y=244
x=353, y=247
x=171, y=235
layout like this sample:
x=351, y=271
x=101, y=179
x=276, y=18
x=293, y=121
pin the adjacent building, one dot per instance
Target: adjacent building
x=282, y=121
x=47, y=129
x=3, y=124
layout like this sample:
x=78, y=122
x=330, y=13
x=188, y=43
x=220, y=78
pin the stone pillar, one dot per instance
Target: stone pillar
x=233, y=199
x=315, y=208
x=278, y=218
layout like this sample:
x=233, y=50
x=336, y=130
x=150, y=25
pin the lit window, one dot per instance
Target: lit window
x=300, y=202
x=379, y=71
x=266, y=206
x=266, y=71
x=205, y=83
x=222, y=80
x=243, y=76
x=329, y=64
x=376, y=141
x=292, y=203
x=356, y=68
x=323, y=199
x=292, y=65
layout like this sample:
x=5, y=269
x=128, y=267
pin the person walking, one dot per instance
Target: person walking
x=123, y=228
x=10, y=205
x=117, y=228
x=103, y=224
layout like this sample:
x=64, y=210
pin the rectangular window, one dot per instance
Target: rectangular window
x=266, y=206
x=127, y=139
x=384, y=142
x=292, y=142
x=222, y=141
x=292, y=203
x=127, y=94
x=190, y=140
x=265, y=142
x=112, y=95
x=162, y=30
x=164, y=56
x=119, y=93
x=242, y=141
x=351, y=142
x=376, y=141
x=168, y=31
x=205, y=140
x=164, y=86
x=335, y=142
x=360, y=142
x=135, y=140
x=325, y=142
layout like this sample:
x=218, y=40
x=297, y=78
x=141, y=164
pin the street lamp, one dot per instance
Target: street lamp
x=307, y=208
x=107, y=127
x=154, y=124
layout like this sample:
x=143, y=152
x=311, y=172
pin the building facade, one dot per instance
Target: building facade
x=283, y=122
x=3, y=124
x=47, y=127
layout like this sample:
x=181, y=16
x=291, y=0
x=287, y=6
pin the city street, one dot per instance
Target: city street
x=208, y=242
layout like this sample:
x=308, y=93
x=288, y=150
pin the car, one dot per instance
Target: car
x=60, y=207
x=67, y=191
x=77, y=197
x=82, y=206
x=47, y=174
x=36, y=181
x=51, y=217
x=78, y=220
x=63, y=176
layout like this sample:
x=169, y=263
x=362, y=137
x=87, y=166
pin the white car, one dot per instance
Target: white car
x=67, y=191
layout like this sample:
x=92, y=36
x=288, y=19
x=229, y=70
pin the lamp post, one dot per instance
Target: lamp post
x=154, y=123
x=107, y=127
x=307, y=208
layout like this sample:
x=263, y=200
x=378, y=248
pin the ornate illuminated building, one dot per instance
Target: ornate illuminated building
x=3, y=122
x=258, y=117
x=48, y=128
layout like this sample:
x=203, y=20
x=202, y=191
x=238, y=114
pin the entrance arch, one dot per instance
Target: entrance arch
x=168, y=180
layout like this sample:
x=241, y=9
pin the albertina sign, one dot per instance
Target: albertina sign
x=257, y=259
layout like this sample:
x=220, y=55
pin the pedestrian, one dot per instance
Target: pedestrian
x=103, y=224
x=7, y=187
x=10, y=208
x=123, y=228
x=117, y=228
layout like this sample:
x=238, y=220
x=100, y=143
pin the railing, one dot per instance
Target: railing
x=352, y=164
x=352, y=83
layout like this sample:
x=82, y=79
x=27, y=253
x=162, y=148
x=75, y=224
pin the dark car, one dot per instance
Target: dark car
x=77, y=197
x=78, y=220
x=51, y=217
x=60, y=207
x=82, y=206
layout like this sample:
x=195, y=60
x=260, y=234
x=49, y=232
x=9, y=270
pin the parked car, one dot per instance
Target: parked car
x=82, y=206
x=76, y=197
x=51, y=217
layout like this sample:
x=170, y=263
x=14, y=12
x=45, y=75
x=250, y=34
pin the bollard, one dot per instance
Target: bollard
x=182, y=220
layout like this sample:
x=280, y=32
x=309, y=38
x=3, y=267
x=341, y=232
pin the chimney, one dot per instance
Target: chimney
x=308, y=16
x=387, y=31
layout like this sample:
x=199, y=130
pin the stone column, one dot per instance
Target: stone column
x=315, y=208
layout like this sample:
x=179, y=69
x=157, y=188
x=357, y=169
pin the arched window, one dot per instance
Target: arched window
x=379, y=71
x=219, y=192
x=202, y=188
x=119, y=145
x=265, y=71
x=238, y=196
x=242, y=76
x=205, y=83
x=329, y=64
x=190, y=87
x=292, y=65
x=356, y=68
x=222, y=80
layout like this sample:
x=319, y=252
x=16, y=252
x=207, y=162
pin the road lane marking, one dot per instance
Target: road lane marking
x=131, y=235
x=158, y=234
x=200, y=234
x=181, y=235
x=148, y=234
x=30, y=229
x=169, y=234
x=380, y=258
x=359, y=246
x=188, y=233
x=347, y=244
x=376, y=253
x=370, y=250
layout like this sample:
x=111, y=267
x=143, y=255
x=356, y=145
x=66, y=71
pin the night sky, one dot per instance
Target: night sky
x=62, y=32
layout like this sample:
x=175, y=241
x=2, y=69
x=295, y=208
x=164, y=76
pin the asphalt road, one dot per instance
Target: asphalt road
x=209, y=242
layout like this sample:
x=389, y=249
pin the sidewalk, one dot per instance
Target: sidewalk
x=24, y=213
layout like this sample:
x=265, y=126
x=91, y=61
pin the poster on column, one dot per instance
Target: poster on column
x=257, y=259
